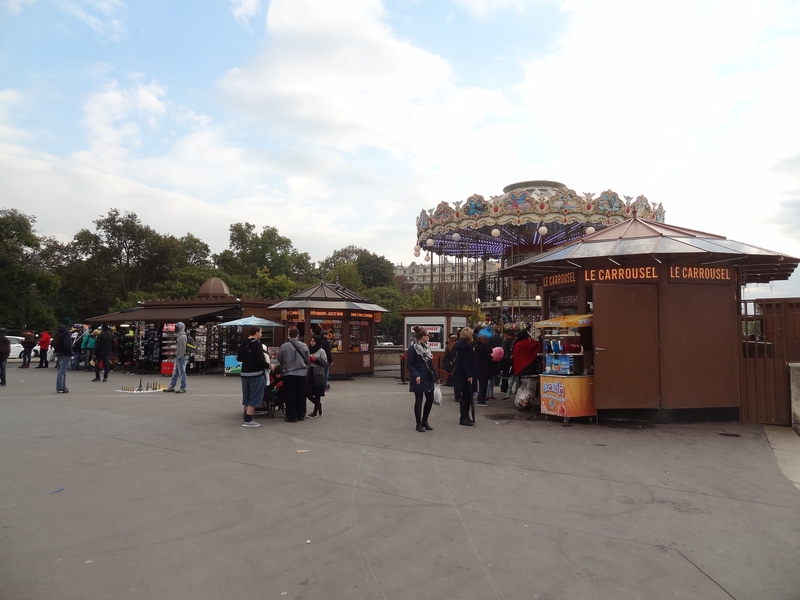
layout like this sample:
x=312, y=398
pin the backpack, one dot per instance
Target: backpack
x=191, y=345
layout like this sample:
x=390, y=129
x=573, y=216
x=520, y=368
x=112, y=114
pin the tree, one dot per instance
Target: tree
x=275, y=288
x=249, y=251
x=375, y=271
x=345, y=274
x=26, y=284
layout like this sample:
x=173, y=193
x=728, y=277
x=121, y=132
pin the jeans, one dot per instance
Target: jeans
x=106, y=358
x=26, y=356
x=327, y=371
x=483, y=384
x=3, y=361
x=61, y=378
x=180, y=369
x=76, y=361
x=43, y=357
x=87, y=358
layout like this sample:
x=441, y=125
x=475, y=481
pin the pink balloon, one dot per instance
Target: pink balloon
x=497, y=354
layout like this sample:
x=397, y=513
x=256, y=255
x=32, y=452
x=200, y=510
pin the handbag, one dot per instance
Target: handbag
x=437, y=394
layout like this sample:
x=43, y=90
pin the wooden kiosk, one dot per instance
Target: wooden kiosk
x=665, y=304
x=349, y=318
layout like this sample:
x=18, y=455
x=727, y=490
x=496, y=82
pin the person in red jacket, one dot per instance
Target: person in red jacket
x=526, y=354
x=44, y=346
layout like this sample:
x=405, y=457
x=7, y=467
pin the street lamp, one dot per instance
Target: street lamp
x=542, y=233
x=477, y=309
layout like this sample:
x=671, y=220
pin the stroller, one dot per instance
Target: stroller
x=272, y=402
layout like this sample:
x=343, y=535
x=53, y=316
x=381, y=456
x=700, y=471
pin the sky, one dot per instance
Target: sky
x=338, y=122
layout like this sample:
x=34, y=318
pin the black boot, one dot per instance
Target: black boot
x=466, y=421
x=420, y=428
x=426, y=426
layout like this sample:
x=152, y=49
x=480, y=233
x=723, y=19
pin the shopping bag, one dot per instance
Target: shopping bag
x=437, y=394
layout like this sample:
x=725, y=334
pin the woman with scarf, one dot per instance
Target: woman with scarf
x=316, y=373
x=422, y=377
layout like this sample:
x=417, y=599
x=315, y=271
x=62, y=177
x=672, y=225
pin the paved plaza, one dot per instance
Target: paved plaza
x=115, y=495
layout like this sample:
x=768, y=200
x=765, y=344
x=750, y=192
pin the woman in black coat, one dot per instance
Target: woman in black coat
x=465, y=370
x=423, y=377
x=483, y=356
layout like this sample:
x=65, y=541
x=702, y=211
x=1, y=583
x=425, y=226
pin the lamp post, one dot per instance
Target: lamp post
x=500, y=308
x=477, y=309
x=542, y=233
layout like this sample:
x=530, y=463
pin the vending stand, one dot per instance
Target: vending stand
x=566, y=388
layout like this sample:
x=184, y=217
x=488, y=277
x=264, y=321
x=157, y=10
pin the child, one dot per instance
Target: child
x=274, y=389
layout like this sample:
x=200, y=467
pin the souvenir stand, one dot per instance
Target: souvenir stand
x=349, y=319
x=566, y=386
x=152, y=343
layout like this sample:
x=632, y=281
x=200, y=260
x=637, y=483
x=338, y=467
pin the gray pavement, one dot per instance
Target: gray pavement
x=166, y=496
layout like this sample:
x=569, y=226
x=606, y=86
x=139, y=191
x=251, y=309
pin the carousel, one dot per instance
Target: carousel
x=471, y=240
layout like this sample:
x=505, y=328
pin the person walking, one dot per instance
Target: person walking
x=44, y=348
x=179, y=370
x=316, y=373
x=422, y=377
x=5, y=352
x=28, y=344
x=254, y=372
x=507, y=364
x=62, y=345
x=103, y=347
x=465, y=370
x=87, y=345
x=293, y=357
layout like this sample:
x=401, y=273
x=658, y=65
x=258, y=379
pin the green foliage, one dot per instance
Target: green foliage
x=373, y=270
x=249, y=252
x=346, y=274
x=275, y=288
x=26, y=283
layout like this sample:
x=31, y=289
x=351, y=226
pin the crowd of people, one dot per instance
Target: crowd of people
x=67, y=347
x=475, y=361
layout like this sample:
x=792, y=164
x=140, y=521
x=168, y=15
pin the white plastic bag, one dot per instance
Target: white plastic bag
x=437, y=394
x=526, y=393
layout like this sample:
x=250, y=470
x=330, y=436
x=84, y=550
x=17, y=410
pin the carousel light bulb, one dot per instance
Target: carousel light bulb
x=456, y=236
x=416, y=252
x=417, y=248
x=538, y=297
x=495, y=233
x=429, y=242
x=542, y=230
x=589, y=230
x=499, y=298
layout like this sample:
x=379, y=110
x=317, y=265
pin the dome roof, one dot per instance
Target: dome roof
x=214, y=287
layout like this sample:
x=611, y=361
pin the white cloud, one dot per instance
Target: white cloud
x=9, y=100
x=16, y=6
x=480, y=9
x=244, y=10
x=690, y=104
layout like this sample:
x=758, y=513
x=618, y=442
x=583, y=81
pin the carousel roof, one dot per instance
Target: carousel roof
x=478, y=227
x=640, y=237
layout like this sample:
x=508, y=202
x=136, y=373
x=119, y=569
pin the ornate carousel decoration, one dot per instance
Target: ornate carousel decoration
x=528, y=218
x=528, y=215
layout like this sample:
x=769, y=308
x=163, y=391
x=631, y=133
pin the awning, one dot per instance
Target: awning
x=166, y=314
x=251, y=320
x=566, y=321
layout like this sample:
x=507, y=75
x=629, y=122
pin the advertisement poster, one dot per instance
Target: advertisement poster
x=567, y=396
x=232, y=366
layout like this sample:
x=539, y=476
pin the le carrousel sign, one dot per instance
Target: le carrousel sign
x=647, y=273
